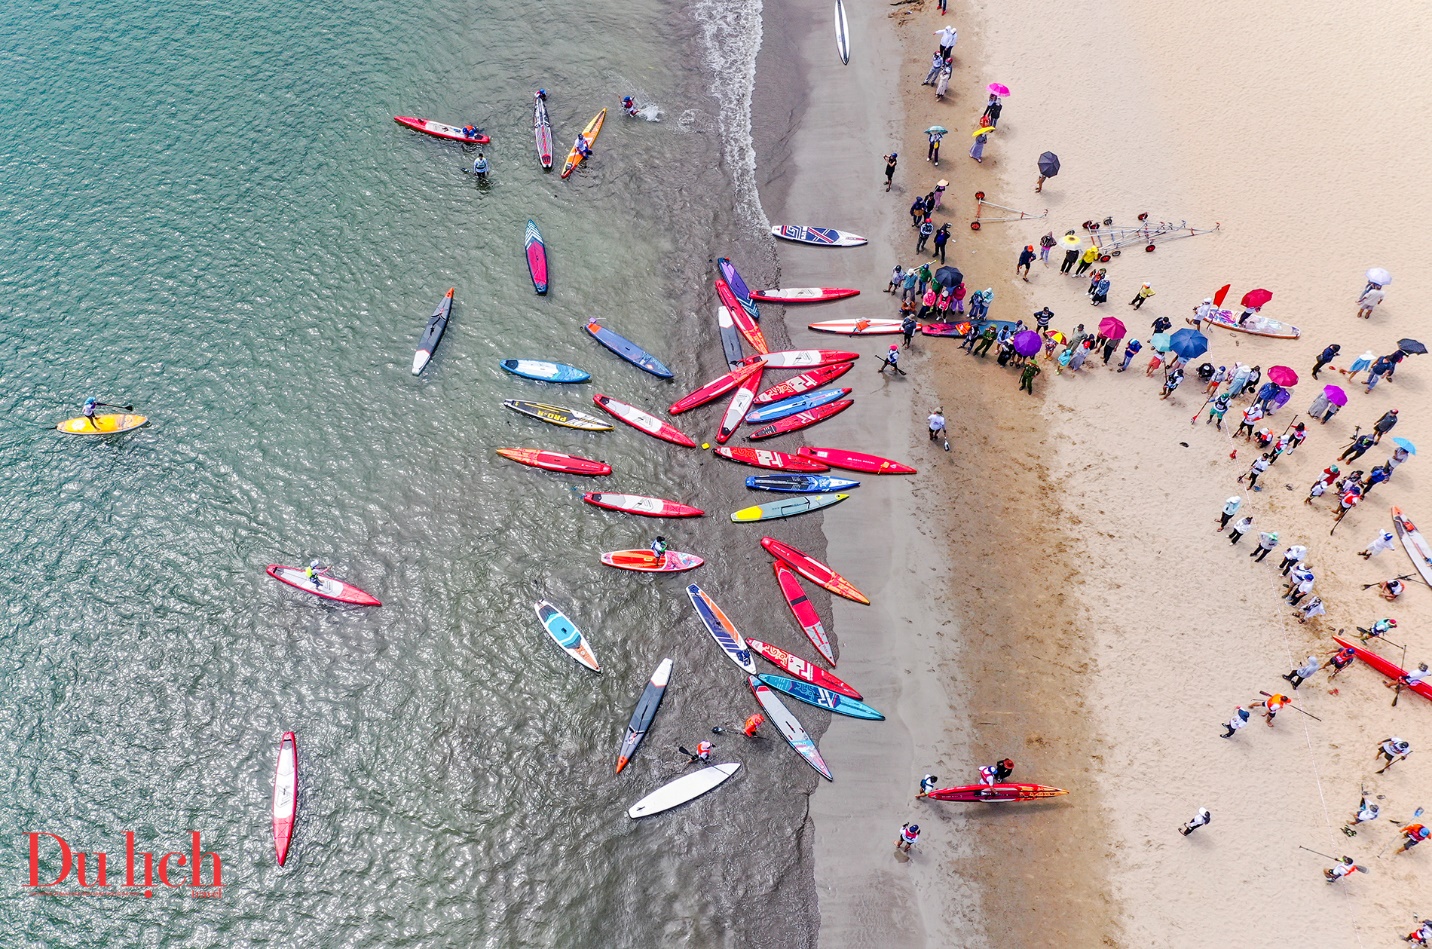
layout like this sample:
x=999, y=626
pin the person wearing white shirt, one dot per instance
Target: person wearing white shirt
x=1369, y=300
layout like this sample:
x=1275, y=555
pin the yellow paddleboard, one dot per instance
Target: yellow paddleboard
x=590, y=133
x=786, y=507
x=100, y=424
x=557, y=415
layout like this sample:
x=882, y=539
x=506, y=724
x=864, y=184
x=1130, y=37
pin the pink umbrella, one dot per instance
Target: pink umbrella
x=1253, y=299
x=1111, y=328
x=999, y=89
x=1282, y=376
x=1335, y=395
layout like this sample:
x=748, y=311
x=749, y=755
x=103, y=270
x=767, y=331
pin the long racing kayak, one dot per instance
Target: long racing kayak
x=856, y=461
x=100, y=424
x=786, y=507
x=285, y=798
x=542, y=131
x=799, y=483
x=995, y=794
x=721, y=628
x=800, y=668
x=644, y=712
x=433, y=333
x=805, y=382
x=557, y=415
x=582, y=147
x=802, y=294
x=820, y=236
x=644, y=561
x=736, y=410
x=821, y=698
x=813, y=570
x=628, y=350
x=716, y=388
x=1387, y=667
x=328, y=588
x=860, y=327
x=796, y=403
x=643, y=421
x=678, y=792
x=566, y=634
x=440, y=130
x=536, y=252
x=544, y=371
x=774, y=460
x=750, y=332
x=640, y=504
x=794, y=423
x=738, y=286
x=555, y=461
x=804, y=358
x=1414, y=543
x=806, y=616
x=788, y=725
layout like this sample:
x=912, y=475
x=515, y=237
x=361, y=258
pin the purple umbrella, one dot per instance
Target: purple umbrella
x=1027, y=342
x=1335, y=395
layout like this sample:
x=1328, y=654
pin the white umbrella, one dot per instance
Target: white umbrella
x=1379, y=276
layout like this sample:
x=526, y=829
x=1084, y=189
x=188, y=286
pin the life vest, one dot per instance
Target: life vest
x=753, y=723
x=908, y=836
x=703, y=750
x=1276, y=702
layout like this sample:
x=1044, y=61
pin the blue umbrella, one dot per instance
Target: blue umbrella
x=1189, y=344
x=1159, y=341
x=1405, y=444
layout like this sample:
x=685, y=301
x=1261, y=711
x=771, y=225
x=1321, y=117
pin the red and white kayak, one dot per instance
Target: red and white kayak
x=794, y=423
x=805, y=382
x=856, y=461
x=329, y=588
x=861, y=327
x=813, y=570
x=800, y=668
x=736, y=410
x=774, y=460
x=285, y=795
x=643, y=421
x=640, y=504
x=1387, y=667
x=803, y=358
x=440, y=130
x=716, y=388
x=995, y=794
x=802, y=294
x=750, y=332
x=555, y=461
x=644, y=561
x=803, y=611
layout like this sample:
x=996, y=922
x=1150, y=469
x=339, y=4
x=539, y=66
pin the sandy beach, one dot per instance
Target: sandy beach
x=1055, y=589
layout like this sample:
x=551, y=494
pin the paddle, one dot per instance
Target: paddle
x=108, y=405
x=1294, y=707
x=1397, y=693
x=1415, y=814
x=1405, y=576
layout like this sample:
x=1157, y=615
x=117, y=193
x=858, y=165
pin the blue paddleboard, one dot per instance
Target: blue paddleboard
x=544, y=371
x=799, y=483
x=821, y=698
x=796, y=403
x=628, y=350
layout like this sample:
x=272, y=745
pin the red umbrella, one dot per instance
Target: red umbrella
x=1283, y=376
x=1111, y=328
x=1222, y=292
x=1253, y=299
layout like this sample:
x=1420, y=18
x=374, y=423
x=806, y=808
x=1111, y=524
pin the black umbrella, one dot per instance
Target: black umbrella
x=1411, y=347
x=949, y=277
x=1049, y=164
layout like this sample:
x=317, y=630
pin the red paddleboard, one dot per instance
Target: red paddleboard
x=804, y=358
x=644, y=561
x=639, y=504
x=750, y=332
x=855, y=461
x=802, y=294
x=555, y=461
x=643, y=421
x=1387, y=667
x=774, y=460
x=813, y=570
x=794, y=423
x=804, y=613
x=736, y=411
x=998, y=794
x=805, y=382
x=800, y=668
x=329, y=588
x=716, y=388
x=440, y=129
x=285, y=796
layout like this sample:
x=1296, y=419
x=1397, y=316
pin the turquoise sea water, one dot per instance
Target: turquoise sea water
x=208, y=213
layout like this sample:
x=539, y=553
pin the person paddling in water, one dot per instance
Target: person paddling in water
x=703, y=753
x=88, y=411
x=629, y=106
x=996, y=773
x=471, y=131
x=658, y=547
x=315, y=573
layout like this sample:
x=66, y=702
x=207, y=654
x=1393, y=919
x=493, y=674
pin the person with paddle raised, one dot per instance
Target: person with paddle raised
x=88, y=410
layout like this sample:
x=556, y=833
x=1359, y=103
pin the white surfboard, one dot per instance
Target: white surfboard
x=842, y=33
x=682, y=790
x=857, y=327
